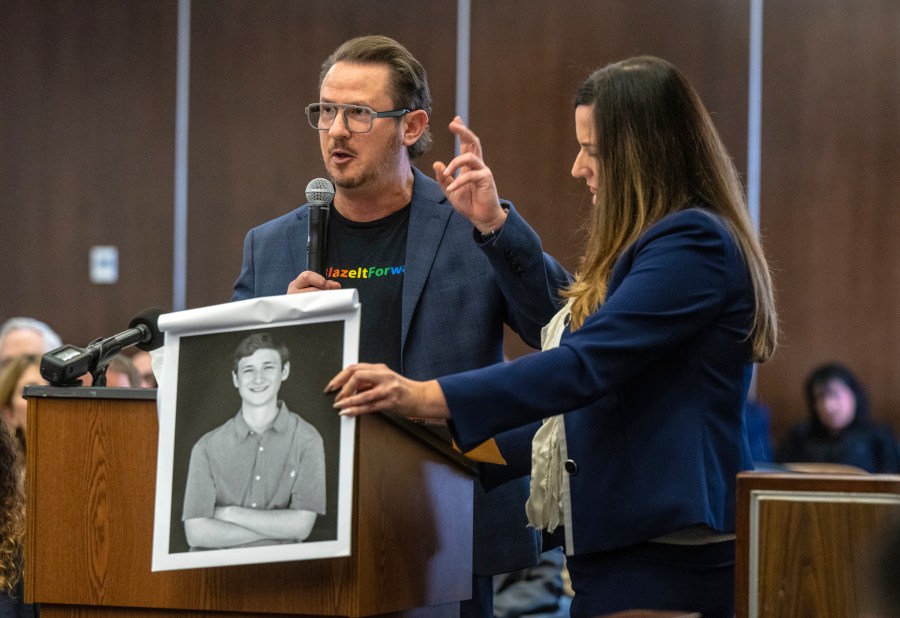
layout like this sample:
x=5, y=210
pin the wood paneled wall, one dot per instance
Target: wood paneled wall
x=830, y=195
x=87, y=130
x=87, y=135
x=522, y=98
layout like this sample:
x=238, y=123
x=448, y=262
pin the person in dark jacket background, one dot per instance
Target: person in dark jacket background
x=839, y=429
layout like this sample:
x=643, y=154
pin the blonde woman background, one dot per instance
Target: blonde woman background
x=17, y=373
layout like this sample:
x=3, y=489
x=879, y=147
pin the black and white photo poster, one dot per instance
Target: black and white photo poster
x=254, y=464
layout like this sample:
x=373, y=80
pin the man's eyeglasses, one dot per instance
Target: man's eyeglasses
x=357, y=118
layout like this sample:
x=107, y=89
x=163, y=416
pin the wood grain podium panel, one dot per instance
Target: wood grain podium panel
x=91, y=486
x=802, y=541
x=409, y=540
x=70, y=611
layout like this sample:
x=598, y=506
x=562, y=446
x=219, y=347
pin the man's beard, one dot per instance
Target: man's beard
x=366, y=176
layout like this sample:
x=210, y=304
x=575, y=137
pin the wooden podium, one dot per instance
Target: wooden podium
x=802, y=540
x=91, y=481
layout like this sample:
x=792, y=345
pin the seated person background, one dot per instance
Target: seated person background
x=15, y=375
x=121, y=372
x=756, y=417
x=839, y=429
x=537, y=592
x=143, y=363
x=22, y=336
x=258, y=479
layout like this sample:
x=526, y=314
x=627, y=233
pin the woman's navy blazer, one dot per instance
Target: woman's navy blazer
x=652, y=387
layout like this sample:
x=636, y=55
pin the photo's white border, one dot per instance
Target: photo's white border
x=278, y=311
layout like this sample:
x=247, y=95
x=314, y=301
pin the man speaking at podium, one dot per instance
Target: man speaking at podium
x=259, y=478
x=444, y=282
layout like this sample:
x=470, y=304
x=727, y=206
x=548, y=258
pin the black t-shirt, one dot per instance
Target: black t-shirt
x=371, y=257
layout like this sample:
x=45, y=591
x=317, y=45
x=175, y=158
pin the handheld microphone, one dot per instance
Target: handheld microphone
x=64, y=365
x=319, y=194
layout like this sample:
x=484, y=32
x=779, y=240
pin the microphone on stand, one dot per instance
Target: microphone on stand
x=64, y=365
x=319, y=194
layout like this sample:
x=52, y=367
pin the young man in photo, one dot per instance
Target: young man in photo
x=259, y=478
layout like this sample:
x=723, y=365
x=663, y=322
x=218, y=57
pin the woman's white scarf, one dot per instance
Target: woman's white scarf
x=545, y=504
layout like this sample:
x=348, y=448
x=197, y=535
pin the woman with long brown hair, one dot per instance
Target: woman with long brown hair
x=645, y=370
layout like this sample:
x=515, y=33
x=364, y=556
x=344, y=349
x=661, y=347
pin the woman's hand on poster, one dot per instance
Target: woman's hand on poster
x=365, y=388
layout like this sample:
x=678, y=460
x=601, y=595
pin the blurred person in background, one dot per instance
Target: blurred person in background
x=756, y=417
x=12, y=528
x=16, y=374
x=141, y=360
x=839, y=429
x=121, y=372
x=20, y=336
